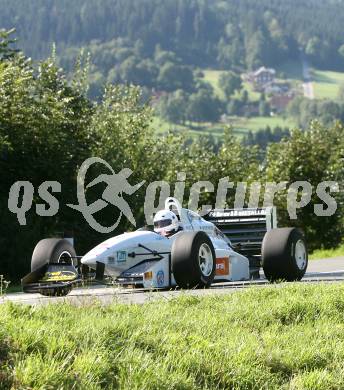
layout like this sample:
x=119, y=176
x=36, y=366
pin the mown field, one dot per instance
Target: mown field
x=212, y=77
x=240, y=126
x=278, y=337
x=327, y=83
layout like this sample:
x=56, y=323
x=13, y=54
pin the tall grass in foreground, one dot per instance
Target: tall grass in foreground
x=278, y=337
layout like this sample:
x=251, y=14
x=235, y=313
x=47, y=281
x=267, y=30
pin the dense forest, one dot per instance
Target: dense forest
x=131, y=34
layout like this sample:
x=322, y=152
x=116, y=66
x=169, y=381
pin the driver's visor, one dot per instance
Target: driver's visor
x=162, y=223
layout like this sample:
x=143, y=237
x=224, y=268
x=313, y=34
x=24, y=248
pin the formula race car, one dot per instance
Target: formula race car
x=225, y=245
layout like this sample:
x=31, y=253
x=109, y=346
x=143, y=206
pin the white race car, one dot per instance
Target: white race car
x=226, y=245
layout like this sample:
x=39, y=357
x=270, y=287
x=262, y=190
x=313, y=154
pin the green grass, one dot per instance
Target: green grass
x=193, y=129
x=327, y=253
x=161, y=126
x=241, y=124
x=212, y=77
x=326, y=83
x=289, y=336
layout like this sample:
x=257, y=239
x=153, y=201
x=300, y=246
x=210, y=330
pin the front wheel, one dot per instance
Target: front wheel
x=284, y=254
x=193, y=260
x=53, y=250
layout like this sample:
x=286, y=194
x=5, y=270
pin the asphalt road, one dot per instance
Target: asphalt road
x=326, y=270
x=307, y=85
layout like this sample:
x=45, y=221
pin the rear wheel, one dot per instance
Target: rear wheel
x=193, y=260
x=284, y=254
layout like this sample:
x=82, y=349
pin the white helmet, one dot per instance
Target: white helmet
x=165, y=222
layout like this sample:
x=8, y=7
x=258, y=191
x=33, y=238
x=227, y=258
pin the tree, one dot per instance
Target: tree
x=244, y=97
x=203, y=107
x=234, y=107
x=147, y=73
x=230, y=82
x=264, y=108
x=318, y=50
x=173, y=107
x=172, y=77
x=313, y=156
x=313, y=47
x=255, y=50
x=163, y=56
x=44, y=122
x=6, y=43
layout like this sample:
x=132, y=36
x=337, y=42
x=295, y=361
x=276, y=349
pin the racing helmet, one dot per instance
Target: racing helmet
x=165, y=222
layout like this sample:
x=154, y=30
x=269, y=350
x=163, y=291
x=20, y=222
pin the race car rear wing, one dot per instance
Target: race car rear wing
x=245, y=227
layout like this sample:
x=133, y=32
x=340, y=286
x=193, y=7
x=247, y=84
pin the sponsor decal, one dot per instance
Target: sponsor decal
x=58, y=276
x=121, y=256
x=160, y=277
x=206, y=227
x=148, y=275
x=222, y=266
x=111, y=260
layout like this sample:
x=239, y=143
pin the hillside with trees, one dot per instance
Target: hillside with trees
x=168, y=46
x=216, y=33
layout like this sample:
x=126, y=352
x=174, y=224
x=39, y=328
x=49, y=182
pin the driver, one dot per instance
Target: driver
x=166, y=223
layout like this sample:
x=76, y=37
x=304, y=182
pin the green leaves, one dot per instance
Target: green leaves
x=313, y=155
x=6, y=42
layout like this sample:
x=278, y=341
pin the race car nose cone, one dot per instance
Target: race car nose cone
x=90, y=261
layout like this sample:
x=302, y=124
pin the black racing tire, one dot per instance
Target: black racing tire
x=52, y=250
x=284, y=254
x=192, y=266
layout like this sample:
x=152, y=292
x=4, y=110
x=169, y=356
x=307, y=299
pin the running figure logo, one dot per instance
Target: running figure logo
x=117, y=185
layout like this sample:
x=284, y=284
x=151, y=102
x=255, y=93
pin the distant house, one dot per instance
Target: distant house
x=264, y=76
x=261, y=77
